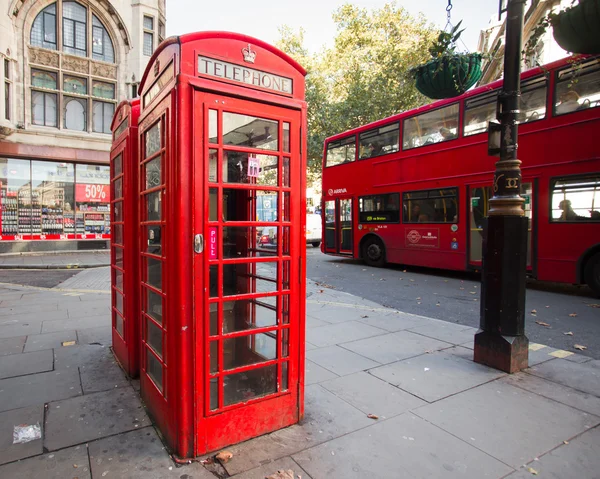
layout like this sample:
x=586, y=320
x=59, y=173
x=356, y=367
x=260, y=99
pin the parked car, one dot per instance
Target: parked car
x=314, y=230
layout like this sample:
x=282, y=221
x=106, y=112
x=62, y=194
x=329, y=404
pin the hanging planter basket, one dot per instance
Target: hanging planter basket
x=448, y=76
x=577, y=29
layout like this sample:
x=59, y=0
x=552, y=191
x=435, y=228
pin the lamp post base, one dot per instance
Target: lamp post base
x=506, y=353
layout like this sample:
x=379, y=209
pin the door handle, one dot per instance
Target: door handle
x=198, y=243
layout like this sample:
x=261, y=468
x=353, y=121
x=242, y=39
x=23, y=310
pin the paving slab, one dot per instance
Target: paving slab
x=461, y=351
x=101, y=335
x=563, y=394
x=12, y=345
x=32, y=316
x=139, y=455
x=40, y=342
x=578, y=459
x=13, y=328
x=71, y=463
x=541, y=355
x=507, y=422
x=93, y=416
x=283, y=464
x=23, y=307
x=584, y=377
x=326, y=417
x=395, y=347
x=25, y=363
x=82, y=323
x=394, y=321
x=372, y=395
x=341, y=333
x=315, y=373
x=9, y=452
x=342, y=314
x=81, y=311
x=339, y=360
x=434, y=376
x=402, y=447
x=445, y=331
x=97, y=366
x=34, y=389
x=309, y=346
x=312, y=322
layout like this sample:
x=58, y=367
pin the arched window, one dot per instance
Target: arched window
x=60, y=99
x=74, y=28
x=75, y=114
x=43, y=32
x=102, y=47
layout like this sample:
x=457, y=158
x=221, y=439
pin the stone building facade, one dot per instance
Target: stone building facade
x=65, y=65
x=491, y=40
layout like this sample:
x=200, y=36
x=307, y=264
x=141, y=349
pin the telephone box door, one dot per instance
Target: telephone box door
x=248, y=202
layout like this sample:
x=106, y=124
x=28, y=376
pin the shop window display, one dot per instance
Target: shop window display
x=92, y=199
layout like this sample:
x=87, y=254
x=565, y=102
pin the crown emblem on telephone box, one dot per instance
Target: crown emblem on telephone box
x=249, y=54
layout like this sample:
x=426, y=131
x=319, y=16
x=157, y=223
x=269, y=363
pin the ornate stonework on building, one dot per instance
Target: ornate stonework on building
x=104, y=70
x=75, y=64
x=40, y=56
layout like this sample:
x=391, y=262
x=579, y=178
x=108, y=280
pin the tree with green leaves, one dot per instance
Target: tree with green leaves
x=364, y=76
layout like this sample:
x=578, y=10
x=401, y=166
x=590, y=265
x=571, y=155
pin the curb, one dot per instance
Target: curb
x=53, y=266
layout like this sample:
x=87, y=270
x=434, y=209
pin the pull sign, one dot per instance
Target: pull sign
x=198, y=243
x=253, y=166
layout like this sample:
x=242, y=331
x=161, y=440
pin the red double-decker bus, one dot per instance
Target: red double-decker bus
x=414, y=188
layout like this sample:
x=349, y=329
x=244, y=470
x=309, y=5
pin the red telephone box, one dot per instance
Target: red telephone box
x=222, y=160
x=124, y=228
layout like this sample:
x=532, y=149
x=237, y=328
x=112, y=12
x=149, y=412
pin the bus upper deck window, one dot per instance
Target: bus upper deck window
x=431, y=127
x=379, y=141
x=573, y=96
x=479, y=111
x=341, y=151
x=533, y=100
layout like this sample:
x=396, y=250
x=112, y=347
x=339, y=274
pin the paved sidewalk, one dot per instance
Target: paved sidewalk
x=439, y=414
x=55, y=260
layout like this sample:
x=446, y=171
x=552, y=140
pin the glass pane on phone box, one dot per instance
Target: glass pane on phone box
x=262, y=170
x=244, y=314
x=249, y=385
x=250, y=131
x=247, y=350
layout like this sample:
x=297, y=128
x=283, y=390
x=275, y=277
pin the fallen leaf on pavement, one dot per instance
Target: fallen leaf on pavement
x=568, y=333
x=225, y=457
x=547, y=306
x=418, y=298
x=580, y=347
x=382, y=279
x=473, y=292
x=413, y=280
x=372, y=416
x=533, y=311
x=418, y=302
x=541, y=323
x=321, y=291
x=532, y=470
x=565, y=442
x=364, y=316
x=462, y=288
x=573, y=315
x=404, y=271
x=594, y=305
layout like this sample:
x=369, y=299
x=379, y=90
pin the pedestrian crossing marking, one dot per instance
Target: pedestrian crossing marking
x=536, y=346
x=560, y=353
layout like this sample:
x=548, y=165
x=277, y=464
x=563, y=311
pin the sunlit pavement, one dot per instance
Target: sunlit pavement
x=438, y=414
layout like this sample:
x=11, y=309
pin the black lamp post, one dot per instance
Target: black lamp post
x=501, y=342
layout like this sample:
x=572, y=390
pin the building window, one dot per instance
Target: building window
x=148, y=35
x=68, y=105
x=43, y=32
x=7, y=89
x=161, y=31
x=103, y=113
x=43, y=108
x=102, y=48
x=134, y=90
x=74, y=29
x=75, y=114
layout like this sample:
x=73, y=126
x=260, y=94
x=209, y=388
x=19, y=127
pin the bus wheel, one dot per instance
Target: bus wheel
x=592, y=273
x=374, y=252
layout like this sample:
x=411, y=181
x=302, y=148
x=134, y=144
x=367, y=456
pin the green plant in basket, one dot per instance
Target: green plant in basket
x=448, y=73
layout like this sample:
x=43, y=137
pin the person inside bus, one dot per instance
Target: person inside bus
x=423, y=218
x=415, y=212
x=569, y=101
x=568, y=213
x=446, y=134
x=595, y=215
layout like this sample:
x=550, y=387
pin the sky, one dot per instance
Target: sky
x=261, y=19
